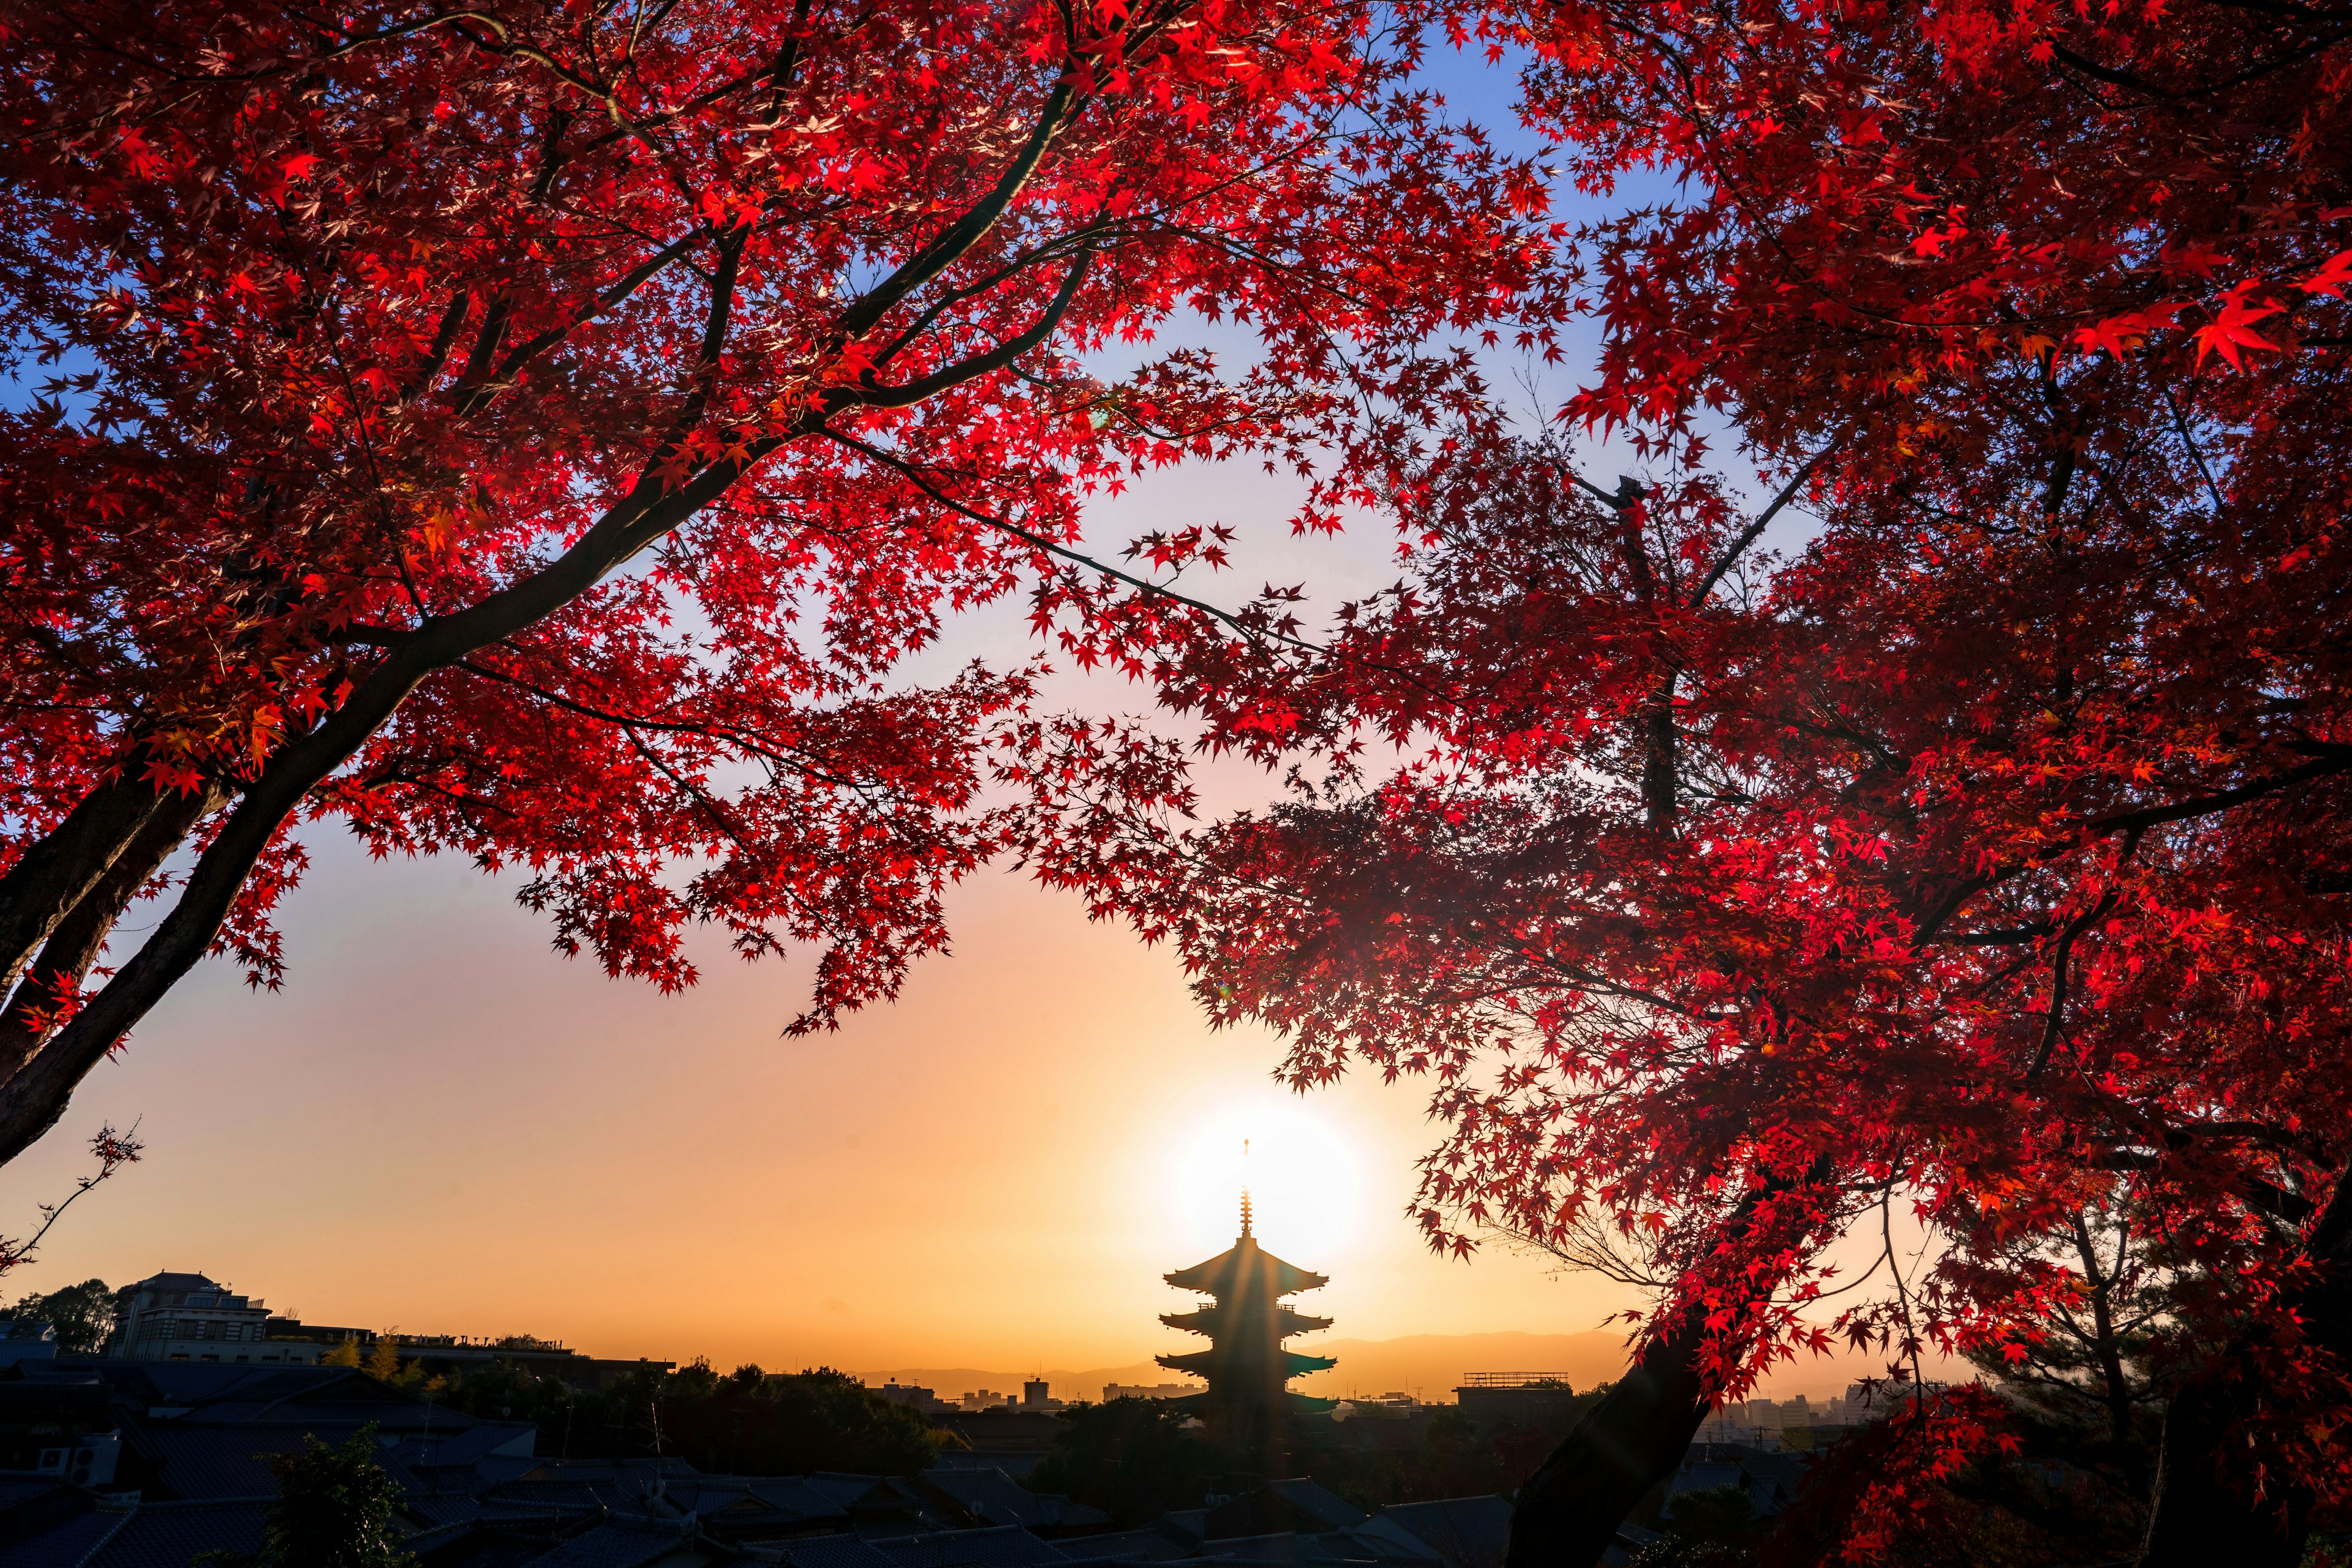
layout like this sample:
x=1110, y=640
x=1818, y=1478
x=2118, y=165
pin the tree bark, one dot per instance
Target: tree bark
x=1568, y=1511
x=2203, y=1509
x=36, y=1095
x=2198, y=1517
x=27, y=1022
x=51, y=877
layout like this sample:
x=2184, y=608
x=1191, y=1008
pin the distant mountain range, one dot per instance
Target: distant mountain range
x=1426, y=1366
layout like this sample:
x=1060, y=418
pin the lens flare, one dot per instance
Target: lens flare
x=1302, y=1176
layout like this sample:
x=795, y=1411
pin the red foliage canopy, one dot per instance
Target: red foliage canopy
x=1989, y=846
x=542, y=429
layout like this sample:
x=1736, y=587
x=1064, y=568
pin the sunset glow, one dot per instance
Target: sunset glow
x=1301, y=1171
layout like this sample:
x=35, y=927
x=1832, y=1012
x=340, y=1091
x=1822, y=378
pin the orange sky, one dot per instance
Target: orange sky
x=441, y=1126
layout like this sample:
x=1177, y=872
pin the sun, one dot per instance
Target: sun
x=1303, y=1176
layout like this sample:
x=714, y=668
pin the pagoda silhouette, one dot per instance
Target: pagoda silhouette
x=1245, y=1366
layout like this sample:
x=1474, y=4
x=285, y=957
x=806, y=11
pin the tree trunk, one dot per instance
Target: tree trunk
x=1568, y=1511
x=29, y=1020
x=54, y=874
x=35, y=1096
x=2203, y=1509
x=2200, y=1515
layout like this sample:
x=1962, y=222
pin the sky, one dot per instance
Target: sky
x=441, y=1126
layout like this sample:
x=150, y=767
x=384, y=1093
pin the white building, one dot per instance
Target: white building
x=187, y=1317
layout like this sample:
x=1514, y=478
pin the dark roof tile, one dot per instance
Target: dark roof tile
x=167, y=1534
x=1007, y=1547
x=1125, y=1546
x=830, y=1552
x=1464, y=1533
x=617, y=1545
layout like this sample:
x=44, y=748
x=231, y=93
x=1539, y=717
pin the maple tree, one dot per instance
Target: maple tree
x=1985, y=851
x=545, y=430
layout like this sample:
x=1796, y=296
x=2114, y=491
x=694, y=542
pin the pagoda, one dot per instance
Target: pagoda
x=1246, y=1365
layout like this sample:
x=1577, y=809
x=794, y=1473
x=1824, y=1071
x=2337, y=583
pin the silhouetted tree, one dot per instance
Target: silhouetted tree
x=1131, y=1457
x=334, y=1509
x=748, y=1421
x=83, y=1315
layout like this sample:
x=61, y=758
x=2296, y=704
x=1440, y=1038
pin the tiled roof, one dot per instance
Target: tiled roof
x=797, y=1496
x=1125, y=1546
x=790, y=1499
x=491, y=1542
x=152, y=1536
x=1700, y=1477
x=1184, y=1524
x=625, y=1495
x=1316, y=1501
x=639, y=1470
x=1295, y=1504
x=618, y=1544
x=456, y=1509
x=463, y=1446
x=1002, y=1548
x=170, y=1281
x=843, y=1489
x=832, y=1552
x=202, y=1462
x=1380, y=1540
x=1464, y=1533
x=1279, y=1548
x=66, y=1544
x=1771, y=1480
x=15, y=1489
x=989, y=1496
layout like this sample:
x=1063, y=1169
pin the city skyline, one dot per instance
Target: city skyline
x=506, y=1209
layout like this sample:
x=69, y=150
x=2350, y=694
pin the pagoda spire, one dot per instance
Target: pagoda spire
x=1246, y=1209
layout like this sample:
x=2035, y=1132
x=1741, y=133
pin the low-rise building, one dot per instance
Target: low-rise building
x=122, y=1464
x=1516, y=1401
x=172, y=1316
x=974, y=1400
x=913, y=1396
x=1147, y=1391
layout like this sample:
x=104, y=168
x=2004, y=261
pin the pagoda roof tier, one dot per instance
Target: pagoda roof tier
x=1246, y=1268
x=1219, y=1366
x=1211, y=1321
